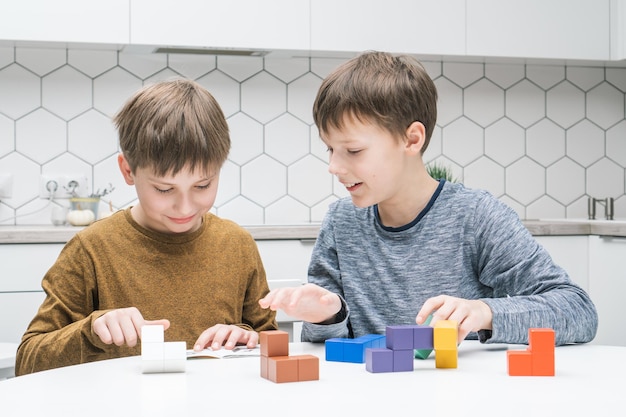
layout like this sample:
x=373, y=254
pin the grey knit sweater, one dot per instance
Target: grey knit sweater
x=466, y=244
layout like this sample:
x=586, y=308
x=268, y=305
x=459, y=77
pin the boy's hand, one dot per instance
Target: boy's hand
x=226, y=335
x=471, y=315
x=308, y=302
x=123, y=326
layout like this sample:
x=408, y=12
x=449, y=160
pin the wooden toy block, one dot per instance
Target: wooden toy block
x=519, y=363
x=445, y=334
x=403, y=360
x=542, y=363
x=399, y=337
x=446, y=358
x=541, y=340
x=153, y=333
x=334, y=349
x=158, y=356
x=282, y=369
x=538, y=358
x=265, y=367
x=352, y=350
x=174, y=356
x=308, y=368
x=379, y=360
x=423, y=337
x=274, y=343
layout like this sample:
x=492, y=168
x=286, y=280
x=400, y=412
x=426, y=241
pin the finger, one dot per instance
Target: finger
x=204, y=339
x=253, y=339
x=220, y=337
x=429, y=308
x=162, y=322
x=102, y=331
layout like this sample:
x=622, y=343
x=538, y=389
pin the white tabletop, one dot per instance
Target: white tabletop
x=589, y=379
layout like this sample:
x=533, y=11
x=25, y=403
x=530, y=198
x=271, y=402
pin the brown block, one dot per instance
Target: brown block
x=308, y=367
x=274, y=343
x=282, y=369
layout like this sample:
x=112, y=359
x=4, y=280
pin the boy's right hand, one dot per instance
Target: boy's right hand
x=123, y=326
x=308, y=302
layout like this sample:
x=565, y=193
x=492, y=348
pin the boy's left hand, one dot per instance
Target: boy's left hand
x=227, y=336
x=471, y=315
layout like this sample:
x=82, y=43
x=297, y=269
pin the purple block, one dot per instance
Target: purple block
x=423, y=337
x=399, y=337
x=378, y=360
x=403, y=360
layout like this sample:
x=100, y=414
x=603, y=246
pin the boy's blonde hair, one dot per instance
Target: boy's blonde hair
x=171, y=125
x=389, y=91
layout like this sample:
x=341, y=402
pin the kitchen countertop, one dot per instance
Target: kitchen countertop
x=547, y=227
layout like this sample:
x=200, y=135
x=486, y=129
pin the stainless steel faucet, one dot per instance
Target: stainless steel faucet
x=606, y=202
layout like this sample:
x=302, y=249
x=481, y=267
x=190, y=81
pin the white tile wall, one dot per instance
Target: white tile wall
x=542, y=138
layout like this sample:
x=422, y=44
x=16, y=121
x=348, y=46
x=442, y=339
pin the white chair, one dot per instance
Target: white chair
x=7, y=359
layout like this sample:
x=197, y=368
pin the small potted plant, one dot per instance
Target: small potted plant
x=439, y=171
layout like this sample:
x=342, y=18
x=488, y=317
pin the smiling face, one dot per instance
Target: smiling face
x=377, y=167
x=171, y=203
x=367, y=160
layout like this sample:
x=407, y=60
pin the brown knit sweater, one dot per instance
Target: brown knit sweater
x=196, y=280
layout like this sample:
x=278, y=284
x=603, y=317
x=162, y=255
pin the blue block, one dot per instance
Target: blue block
x=354, y=351
x=334, y=349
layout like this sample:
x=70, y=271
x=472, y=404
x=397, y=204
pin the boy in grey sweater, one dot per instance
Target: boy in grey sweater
x=405, y=246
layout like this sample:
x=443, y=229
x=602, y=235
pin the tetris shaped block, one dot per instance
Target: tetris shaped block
x=403, y=343
x=352, y=350
x=158, y=356
x=278, y=366
x=537, y=359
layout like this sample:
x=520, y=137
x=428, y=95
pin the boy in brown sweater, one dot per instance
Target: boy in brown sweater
x=166, y=260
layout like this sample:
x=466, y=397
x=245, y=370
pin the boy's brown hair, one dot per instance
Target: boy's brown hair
x=389, y=91
x=171, y=125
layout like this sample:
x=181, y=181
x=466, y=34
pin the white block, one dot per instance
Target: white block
x=152, y=351
x=152, y=333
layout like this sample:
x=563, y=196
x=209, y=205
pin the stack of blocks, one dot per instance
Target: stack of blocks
x=395, y=351
x=158, y=356
x=537, y=359
x=278, y=366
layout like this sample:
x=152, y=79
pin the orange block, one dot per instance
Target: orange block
x=541, y=340
x=543, y=363
x=520, y=363
x=308, y=368
x=282, y=369
x=274, y=343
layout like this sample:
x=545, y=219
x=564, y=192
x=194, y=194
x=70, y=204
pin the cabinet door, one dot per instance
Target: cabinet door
x=65, y=21
x=410, y=26
x=571, y=253
x=563, y=29
x=607, y=286
x=276, y=24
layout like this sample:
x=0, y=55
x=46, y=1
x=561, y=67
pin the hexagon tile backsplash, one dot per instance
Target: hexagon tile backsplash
x=542, y=138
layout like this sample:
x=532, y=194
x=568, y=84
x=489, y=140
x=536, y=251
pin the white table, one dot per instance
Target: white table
x=7, y=359
x=589, y=381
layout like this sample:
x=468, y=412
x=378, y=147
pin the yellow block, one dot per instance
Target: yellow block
x=445, y=334
x=446, y=358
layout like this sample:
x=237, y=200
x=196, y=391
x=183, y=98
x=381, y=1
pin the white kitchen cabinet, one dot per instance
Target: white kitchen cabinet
x=561, y=29
x=618, y=30
x=65, y=21
x=607, y=286
x=247, y=24
x=23, y=268
x=410, y=26
x=571, y=253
